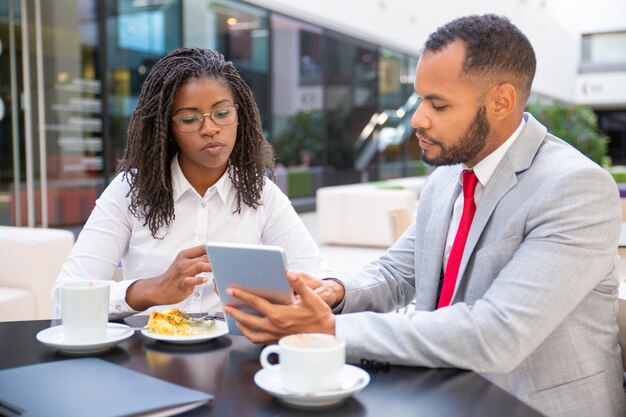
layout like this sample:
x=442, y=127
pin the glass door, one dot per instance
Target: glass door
x=12, y=158
x=52, y=160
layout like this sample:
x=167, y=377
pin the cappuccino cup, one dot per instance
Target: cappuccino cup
x=84, y=310
x=307, y=362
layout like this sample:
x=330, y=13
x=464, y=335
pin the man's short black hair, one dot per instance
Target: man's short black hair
x=493, y=47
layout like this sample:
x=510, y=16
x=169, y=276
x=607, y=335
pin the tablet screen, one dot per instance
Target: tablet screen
x=259, y=269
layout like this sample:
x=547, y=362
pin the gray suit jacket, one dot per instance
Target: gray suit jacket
x=536, y=304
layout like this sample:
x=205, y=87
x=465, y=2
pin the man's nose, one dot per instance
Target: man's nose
x=420, y=119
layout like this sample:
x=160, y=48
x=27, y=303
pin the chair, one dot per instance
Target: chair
x=399, y=220
x=356, y=214
x=30, y=261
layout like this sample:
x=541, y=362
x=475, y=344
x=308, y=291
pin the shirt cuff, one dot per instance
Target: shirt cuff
x=339, y=307
x=118, y=307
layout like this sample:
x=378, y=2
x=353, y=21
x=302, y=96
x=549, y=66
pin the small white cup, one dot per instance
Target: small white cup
x=85, y=310
x=308, y=362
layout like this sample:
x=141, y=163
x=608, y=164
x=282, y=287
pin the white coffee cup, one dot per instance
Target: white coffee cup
x=84, y=310
x=308, y=362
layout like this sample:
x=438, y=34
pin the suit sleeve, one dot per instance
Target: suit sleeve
x=569, y=247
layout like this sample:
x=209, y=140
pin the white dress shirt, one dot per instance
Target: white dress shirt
x=483, y=171
x=113, y=235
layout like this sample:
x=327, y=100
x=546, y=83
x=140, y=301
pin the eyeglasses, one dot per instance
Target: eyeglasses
x=192, y=121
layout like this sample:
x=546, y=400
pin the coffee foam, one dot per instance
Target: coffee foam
x=311, y=341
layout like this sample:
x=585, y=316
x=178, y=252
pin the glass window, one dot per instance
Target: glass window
x=399, y=155
x=603, y=52
x=297, y=92
x=604, y=48
x=139, y=33
x=390, y=67
x=351, y=100
x=407, y=76
x=310, y=55
x=12, y=161
x=142, y=31
x=72, y=112
x=297, y=105
x=241, y=33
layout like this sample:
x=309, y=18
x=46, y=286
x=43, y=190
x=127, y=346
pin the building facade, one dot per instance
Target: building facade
x=333, y=82
x=71, y=72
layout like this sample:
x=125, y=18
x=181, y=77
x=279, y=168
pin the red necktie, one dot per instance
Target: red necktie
x=456, y=253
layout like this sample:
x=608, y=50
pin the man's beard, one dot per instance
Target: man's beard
x=470, y=144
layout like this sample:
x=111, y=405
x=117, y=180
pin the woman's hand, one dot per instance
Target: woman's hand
x=174, y=285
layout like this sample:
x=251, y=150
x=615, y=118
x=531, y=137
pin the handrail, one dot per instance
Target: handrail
x=389, y=127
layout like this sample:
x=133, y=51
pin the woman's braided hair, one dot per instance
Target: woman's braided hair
x=150, y=149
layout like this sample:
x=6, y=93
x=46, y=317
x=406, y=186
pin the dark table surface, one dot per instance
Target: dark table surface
x=225, y=367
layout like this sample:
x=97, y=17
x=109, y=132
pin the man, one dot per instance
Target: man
x=515, y=280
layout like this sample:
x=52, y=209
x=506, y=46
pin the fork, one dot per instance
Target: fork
x=216, y=315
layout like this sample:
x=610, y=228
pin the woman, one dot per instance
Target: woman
x=193, y=171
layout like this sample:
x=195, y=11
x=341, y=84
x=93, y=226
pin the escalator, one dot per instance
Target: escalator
x=384, y=129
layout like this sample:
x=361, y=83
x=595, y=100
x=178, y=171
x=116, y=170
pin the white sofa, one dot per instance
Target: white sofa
x=30, y=260
x=358, y=214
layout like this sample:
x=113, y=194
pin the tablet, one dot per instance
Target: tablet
x=259, y=269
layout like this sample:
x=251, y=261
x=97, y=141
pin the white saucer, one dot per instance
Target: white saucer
x=219, y=328
x=54, y=337
x=269, y=380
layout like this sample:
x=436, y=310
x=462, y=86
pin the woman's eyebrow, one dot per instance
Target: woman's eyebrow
x=224, y=100
x=186, y=108
x=217, y=103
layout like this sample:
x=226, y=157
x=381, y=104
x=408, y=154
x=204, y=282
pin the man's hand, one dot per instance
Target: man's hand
x=174, y=285
x=329, y=290
x=309, y=314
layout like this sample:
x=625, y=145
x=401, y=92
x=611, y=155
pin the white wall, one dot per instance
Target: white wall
x=605, y=90
x=598, y=90
x=589, y=16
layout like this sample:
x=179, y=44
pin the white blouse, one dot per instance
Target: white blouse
x=113, y=235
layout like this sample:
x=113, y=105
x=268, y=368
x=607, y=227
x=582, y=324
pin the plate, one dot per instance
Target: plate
x=269, y=380
x=220, y=328
x=54, y=337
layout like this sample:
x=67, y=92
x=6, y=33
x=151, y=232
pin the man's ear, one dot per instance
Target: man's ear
x=501, y=101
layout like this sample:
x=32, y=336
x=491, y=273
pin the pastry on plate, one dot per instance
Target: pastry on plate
x=173, y=322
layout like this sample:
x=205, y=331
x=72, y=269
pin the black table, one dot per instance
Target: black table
x=225, y=367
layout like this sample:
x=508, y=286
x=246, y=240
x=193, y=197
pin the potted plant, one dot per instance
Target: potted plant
x=575, y=124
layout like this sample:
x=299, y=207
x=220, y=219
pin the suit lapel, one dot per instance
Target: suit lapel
x=434, y=242
x=518, y=158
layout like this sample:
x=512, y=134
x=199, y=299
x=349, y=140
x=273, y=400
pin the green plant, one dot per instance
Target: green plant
x=577, y=125
x=300, y=182
x=619, y=176
x=302, y=134
x=420, y=168
x=341, y=152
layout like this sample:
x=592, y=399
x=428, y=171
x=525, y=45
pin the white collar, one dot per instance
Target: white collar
x=180, y=184
x=487, y=166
